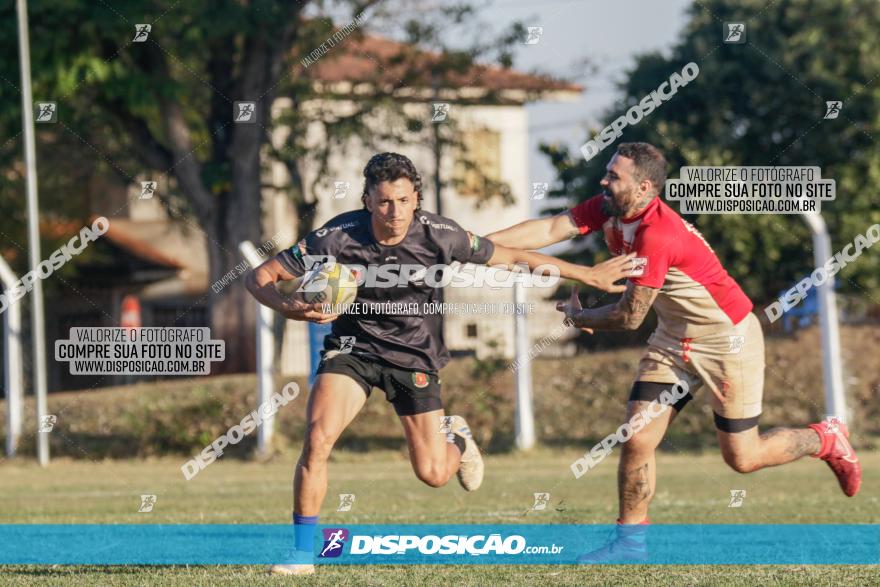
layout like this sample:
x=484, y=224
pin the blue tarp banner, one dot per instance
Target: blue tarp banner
x=208, y=544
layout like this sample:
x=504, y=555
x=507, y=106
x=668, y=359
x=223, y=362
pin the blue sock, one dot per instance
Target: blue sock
x=304, y=528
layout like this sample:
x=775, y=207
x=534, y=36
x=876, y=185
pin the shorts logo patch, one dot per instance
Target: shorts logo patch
x=419, y=379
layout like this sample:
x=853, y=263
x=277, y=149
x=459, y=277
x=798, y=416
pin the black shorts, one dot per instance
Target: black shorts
x=411, y=392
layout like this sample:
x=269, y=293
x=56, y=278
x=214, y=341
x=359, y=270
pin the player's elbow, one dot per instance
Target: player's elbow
x=250, y=281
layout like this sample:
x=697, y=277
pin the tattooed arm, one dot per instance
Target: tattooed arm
x=627, y=314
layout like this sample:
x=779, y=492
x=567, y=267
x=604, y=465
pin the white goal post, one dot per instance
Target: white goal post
x=832, y=367
x=13, y=381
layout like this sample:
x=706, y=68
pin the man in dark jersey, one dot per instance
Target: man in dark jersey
x=399, y=353
x=706, y=336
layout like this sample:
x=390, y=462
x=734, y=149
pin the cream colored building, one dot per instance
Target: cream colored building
x=487, y=107
x=496, y=138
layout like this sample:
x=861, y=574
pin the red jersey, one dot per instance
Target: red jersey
x=697, y=296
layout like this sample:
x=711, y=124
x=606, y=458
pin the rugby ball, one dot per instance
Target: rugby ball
x=328, y=283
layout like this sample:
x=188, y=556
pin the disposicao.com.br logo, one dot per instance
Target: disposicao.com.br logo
x=414, y=545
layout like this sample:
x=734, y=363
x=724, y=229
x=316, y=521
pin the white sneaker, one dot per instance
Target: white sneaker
x=470, y=472
x=292, y=570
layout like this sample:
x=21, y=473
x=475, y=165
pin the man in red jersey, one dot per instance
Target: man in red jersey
x=706, y=336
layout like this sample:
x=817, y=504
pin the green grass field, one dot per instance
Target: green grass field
x=111, y=445
x=691, y=489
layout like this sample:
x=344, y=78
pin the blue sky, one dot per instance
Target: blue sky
x=609, y=34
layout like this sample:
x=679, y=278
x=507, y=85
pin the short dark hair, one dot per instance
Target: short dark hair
x=390, y=167
x=649, y=162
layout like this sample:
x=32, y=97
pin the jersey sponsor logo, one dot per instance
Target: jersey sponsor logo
x=427, y=222
x=322, y=232
x=420, y=379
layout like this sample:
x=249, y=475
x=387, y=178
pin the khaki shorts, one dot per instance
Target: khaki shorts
x=730, y=364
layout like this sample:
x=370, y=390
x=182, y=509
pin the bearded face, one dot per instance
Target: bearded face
x=621, y=189
x=615, y=203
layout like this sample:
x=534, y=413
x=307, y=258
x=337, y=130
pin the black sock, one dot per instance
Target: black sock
x=459, y=442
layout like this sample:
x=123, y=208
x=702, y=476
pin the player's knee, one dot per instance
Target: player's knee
x=740, y=463
x=642, y=442
x=317, y=447
x=432, y=475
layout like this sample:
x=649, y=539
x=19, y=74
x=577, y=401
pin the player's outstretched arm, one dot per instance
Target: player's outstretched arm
x=602, y=276
x=627, y=314
x=261, y=283
x=537, y=233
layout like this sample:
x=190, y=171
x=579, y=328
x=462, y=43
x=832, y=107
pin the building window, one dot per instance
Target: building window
x=478, y=162
x=471, y=331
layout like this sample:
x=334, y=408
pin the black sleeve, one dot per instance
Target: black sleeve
x=292, y=258
x=466, y=247
x=302, y=256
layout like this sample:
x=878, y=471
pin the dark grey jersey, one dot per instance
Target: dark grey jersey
x=387, y=320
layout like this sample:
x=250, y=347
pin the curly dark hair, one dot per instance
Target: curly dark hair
x=649, y=162
x=390, y=167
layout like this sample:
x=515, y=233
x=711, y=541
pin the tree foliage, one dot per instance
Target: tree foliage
x=163, y=108
x=763, y=103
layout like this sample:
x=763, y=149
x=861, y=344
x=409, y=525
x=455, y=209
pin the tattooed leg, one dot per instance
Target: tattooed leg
x=637, y=472
x=635, y=489
x=748, y=451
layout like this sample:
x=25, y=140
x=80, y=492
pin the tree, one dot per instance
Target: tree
x=762, y=103
x=164, y=105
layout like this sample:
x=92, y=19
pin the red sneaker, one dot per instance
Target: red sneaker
x=839, y=454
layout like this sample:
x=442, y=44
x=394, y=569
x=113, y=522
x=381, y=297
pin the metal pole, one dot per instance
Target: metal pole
x=265, y=355
x=835, y=399
x=438, y=159
x=30, y=158
x=14, y=380
x=525, y=419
